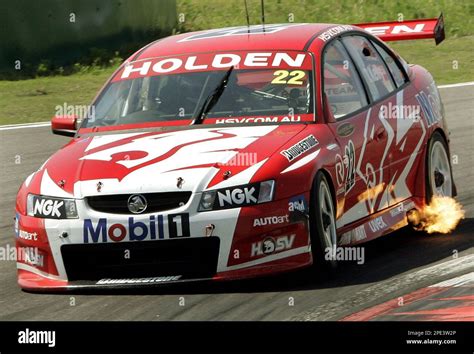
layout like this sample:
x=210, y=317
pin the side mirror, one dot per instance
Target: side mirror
x=64, y=125
x=327, y=111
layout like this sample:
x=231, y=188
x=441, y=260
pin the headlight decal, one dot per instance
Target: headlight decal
x=237, y=196
x=51, y=207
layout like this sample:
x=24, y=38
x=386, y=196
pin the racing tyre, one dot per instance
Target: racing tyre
x=322, y=224
x=439, y=176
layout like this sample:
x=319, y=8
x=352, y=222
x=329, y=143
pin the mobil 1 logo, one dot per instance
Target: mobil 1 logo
x=178, y=225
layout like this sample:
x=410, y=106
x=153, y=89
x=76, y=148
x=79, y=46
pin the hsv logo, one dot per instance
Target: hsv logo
x=152, y=229
x=48, y=208
x=271, y=245
x=237, y=196
x=300, y=148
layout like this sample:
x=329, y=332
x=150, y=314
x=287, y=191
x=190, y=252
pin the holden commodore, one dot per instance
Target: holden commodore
x=237, y=153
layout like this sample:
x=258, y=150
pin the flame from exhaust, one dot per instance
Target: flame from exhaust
x=442, y=216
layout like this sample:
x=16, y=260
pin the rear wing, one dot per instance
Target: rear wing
x=406, y=30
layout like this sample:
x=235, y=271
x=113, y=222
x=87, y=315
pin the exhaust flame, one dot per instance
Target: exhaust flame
x=442, y=216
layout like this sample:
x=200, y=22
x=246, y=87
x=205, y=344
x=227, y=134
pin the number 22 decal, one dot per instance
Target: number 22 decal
x=295, y=77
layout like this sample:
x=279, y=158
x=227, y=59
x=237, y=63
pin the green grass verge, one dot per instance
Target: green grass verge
x=35, y=100
x=450, y=62
x=199, y=14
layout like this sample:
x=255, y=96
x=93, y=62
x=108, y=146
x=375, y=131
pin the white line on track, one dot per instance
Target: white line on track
x=457, y=85
x=24, y=126
x=45, y=124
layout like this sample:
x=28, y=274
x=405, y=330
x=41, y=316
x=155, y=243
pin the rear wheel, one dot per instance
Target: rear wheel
x=439, y=175
x=322, y=223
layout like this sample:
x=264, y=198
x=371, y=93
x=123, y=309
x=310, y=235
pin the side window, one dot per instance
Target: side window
x=396, y=72
x=371, y=66
x=342, y=83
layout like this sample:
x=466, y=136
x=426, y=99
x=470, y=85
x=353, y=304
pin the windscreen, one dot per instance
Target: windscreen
x=262, y=87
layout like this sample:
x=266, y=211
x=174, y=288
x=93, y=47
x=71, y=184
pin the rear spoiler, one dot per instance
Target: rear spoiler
x=405, y=30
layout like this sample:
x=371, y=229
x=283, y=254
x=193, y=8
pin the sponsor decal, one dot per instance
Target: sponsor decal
x=345, y=167
x=237, y=196
x=300, y=148
x=271, y=245
x=275, y=119
x=271, y=220
x=28, y=336
x=394, y=29
x=334, y=31
x=134, y=230
x=215, y=61
x=430, y=105
x=345, y=129
x=354, y=235
x=48, y=208
x=27, y=235
x=298, y=203
x=108, y=281
x=401, y=208
x=377, y=224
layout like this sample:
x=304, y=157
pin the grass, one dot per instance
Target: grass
x=35, y=100
x=199, y=14
x=450, y=62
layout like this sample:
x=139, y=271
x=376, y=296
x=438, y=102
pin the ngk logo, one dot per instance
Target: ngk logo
x=237, y=196
x=47, y=207
x=271, y=245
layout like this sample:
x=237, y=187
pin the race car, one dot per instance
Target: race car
x=237, y=153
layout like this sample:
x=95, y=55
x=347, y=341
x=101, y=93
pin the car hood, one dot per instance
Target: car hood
x=164, y=161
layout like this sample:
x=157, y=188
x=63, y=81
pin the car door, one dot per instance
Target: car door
x=360, y=136
x=380, y=132
x=404, y=118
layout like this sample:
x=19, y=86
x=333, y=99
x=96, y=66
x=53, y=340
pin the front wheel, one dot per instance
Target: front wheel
x=322, y=223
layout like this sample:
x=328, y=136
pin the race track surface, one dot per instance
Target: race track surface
x=395, y=265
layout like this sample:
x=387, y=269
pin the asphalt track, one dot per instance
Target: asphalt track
x=395, y=265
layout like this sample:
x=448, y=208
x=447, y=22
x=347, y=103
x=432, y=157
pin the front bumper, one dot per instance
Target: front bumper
x=105, y=250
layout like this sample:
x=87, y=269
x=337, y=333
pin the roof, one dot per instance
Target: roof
x=273, y=37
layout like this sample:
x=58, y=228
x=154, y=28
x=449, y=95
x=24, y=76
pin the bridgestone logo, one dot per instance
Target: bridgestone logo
x=139, y=280
x=300, y=148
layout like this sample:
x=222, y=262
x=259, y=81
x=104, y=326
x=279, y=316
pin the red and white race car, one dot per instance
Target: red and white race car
x=236, y=153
